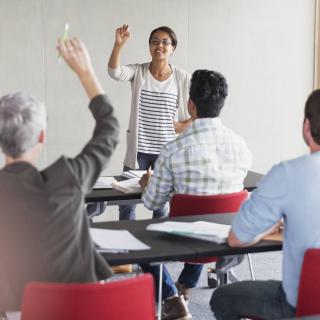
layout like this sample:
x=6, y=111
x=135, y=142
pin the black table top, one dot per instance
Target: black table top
x=165, y=247
x=317, y=317
x=113, y=195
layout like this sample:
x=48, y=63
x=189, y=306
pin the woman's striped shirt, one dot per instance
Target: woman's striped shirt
x=158, y=105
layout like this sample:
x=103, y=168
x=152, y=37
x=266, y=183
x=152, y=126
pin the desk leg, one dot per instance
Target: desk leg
x=95, y=209
x=160, y=291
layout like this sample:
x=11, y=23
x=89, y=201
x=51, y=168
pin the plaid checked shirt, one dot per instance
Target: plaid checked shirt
x=207, y=158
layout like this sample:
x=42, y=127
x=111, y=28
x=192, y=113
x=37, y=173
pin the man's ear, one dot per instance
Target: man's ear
x=306, y=127
x=192, y=109
x=42, y=137
x=306, y=131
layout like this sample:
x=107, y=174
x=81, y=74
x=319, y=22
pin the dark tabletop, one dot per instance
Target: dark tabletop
x=305, y=318
x=113, y=196
x=165, y=247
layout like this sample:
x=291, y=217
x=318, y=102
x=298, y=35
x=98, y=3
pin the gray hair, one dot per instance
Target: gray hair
x=22, y=118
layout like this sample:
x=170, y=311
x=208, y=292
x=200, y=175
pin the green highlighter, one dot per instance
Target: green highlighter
x=64, y=36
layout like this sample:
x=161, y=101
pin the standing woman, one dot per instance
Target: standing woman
x=159, y=102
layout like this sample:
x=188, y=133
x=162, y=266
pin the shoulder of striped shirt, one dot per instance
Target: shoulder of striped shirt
x=144, y=66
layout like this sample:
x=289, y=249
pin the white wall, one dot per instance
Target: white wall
x=264, y=48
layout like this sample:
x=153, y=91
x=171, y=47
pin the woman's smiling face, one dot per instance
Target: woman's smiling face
x=161, y=46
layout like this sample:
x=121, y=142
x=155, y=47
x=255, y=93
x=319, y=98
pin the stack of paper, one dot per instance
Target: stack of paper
x=104, y=183
x=128, y=186
x=134, y=173
x=116, y=240
x=202, y=230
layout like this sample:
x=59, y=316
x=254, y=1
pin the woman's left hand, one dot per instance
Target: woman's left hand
x=180, y=126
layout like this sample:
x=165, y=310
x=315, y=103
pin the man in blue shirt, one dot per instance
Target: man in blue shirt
x=290, y=191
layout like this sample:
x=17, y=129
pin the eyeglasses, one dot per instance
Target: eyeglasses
x=156, y=42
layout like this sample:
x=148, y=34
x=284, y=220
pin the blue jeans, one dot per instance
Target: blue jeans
x=127, y=212
x=190, y=275
x=258, y=299
x=168, y=286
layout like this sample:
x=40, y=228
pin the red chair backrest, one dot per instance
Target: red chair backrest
x=186, y=205
x=121, y=300
x=308, y=302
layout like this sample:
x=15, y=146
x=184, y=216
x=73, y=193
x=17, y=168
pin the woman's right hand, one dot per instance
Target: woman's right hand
x=122, y=35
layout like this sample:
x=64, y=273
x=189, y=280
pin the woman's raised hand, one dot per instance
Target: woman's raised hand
x=122, y=35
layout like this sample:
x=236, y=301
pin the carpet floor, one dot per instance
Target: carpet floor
x=265, y=266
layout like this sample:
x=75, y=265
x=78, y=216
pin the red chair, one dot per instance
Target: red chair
x=309, y=286
x=124, y=299
x=185, y=205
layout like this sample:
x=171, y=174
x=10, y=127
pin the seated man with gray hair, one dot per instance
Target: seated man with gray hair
x=44, y=234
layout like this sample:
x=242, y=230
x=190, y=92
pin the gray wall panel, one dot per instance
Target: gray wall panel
x=264, y=48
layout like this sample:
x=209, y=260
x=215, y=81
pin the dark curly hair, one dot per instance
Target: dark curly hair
x=312, y=113
x=208, y=91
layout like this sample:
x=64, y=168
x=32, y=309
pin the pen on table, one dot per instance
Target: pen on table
x=64, y=37
x=112, y=250
x=149, y=172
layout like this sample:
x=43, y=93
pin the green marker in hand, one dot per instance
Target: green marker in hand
x=64, y=36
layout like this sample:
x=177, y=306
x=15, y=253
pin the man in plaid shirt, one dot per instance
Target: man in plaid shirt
x=207, y=158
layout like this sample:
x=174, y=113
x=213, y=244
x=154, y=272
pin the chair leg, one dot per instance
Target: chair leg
x=222, y=278
x=138, y=270
x=160, y=291
x=211, y=278
x=95, y=209
x=232, y=278
x=250, y=266
x=226, y=277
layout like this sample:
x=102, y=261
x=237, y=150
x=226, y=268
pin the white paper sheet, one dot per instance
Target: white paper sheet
x=128, y=186
x=203, y=230
x=134, y=173
x=13, y=315
x=104, y=183
x=116, y=240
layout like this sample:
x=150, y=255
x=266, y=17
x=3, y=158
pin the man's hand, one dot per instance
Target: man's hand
x=145, y=179
x=274, y=229
x=233, y=240
x=76, y=55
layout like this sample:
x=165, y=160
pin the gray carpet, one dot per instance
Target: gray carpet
x=265, y=265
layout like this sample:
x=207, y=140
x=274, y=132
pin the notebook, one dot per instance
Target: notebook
x=134, y=173
x=202, y=230
x=104, y=183
x=128, y=186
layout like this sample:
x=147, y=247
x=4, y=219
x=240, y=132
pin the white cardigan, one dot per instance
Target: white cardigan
x=136, y=74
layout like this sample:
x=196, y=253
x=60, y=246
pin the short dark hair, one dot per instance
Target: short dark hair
x=312, y=113
x=169, y=31
x=208, y=92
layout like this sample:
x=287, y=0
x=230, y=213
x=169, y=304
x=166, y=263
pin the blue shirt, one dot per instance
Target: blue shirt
x=290, y=190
